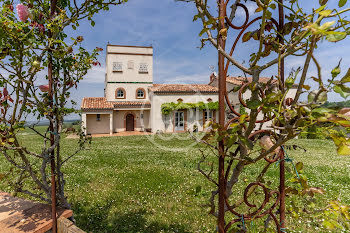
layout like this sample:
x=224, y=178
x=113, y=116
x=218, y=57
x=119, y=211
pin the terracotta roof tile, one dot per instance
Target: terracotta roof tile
x=242, y=80
x=183, y=88
x=96, y=103
x=101, y=103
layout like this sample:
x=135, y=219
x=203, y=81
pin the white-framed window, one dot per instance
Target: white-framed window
x=117, y=67
x=179, y=120
x=140, y=94
x=208, y=115
x=143, y=68
x=98, y=117
x=120, y=93
x=131, y=64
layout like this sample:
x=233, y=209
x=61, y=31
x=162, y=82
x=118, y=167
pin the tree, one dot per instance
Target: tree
x=33, y=40
x=297, y=32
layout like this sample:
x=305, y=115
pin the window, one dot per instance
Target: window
x=209, y=100
x=98, y=117
x=140, y=93
x=208, y=115
x=120, y=93
x=141, y=115
x=131, y=64
x=179, y=122
x=117, y=67
x=180, y=100
x=143, y=68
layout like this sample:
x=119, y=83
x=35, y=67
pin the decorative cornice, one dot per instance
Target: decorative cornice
x=129, y=46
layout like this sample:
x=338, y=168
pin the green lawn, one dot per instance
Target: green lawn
x=133, y=184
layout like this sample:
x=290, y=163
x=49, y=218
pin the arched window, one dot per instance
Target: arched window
x=120, y=93
x=209, y=100
x=140, y=93
x=180, y=100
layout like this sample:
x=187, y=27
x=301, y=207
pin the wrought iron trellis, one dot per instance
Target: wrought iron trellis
x=260, y=211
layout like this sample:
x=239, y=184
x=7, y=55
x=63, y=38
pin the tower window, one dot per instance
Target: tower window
x=117, y=67
x=98, y=117
x=140, y=93
x=120, y=93
x=143, y=68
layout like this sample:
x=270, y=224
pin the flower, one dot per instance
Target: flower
x=95, y=63
x=23, y=12
x=44, y=88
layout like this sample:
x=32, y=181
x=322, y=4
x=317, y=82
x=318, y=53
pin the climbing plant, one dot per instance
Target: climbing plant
x=40, y=63
x=258, y=135
x=167, y=108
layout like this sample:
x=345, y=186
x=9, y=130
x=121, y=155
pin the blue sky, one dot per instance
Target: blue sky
x=167, y=26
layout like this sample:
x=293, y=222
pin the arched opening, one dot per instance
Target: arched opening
x=140, y=93
x=120, y=93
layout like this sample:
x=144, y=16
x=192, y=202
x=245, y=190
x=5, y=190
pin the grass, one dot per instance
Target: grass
x=133, y=184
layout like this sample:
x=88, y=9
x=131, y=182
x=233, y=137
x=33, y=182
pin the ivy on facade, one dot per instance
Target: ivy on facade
x=167, y=108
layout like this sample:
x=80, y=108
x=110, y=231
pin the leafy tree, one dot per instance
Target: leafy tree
x=33, y=41
x=297, y=32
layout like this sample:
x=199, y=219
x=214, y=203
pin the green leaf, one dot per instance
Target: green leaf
x=325, y=13
x=326, y=25
x=322, y=3
x=341, y=3
x=335, y=36
x=92, y=23
x=335, y=72
x=340, y=91
x=346, y=78
x=246, y=36
x=203, y=31
x=322, y=110
x=259, y=9
x=299, y=166
x=344, y=149
x=273, y=6
x=343, y=144
x=253, y=104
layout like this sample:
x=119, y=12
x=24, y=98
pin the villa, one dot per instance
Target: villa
x=133, y=102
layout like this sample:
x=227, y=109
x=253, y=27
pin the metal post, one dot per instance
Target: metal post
x=282, y=193
x=282, y=163
x=222, y=87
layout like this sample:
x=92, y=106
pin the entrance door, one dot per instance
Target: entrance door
x=130, y=122
x=179, y=121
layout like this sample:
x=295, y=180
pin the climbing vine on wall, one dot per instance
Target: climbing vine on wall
x=167, y=108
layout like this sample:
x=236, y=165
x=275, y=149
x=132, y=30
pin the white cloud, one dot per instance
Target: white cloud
x=188, y=79
x=95, y=75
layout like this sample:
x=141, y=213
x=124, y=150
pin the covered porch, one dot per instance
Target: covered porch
x=106, y=117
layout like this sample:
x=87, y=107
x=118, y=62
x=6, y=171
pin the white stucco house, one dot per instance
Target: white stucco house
x=132, y=102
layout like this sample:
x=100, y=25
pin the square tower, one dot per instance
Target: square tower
x=129, y=72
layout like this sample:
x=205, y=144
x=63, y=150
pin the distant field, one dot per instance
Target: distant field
x=133, y=184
